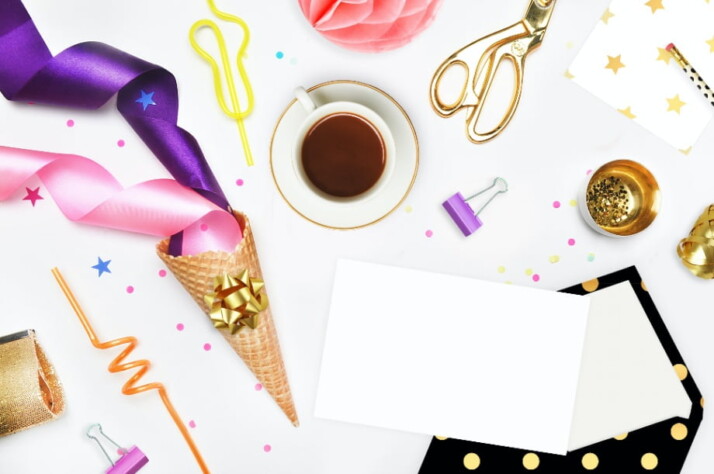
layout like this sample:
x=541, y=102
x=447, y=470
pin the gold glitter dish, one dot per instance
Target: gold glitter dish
x=621, y=198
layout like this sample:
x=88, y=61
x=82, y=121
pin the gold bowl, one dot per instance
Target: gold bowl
x=621, y=198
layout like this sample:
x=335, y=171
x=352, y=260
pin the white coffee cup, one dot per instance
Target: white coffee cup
x=318, y=112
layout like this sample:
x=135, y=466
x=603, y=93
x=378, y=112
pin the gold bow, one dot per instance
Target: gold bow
x=236, y=302
x=697, y=250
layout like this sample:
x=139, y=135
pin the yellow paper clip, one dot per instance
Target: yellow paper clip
x=236, y=113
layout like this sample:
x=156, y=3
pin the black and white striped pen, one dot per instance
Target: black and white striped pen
x=697, y=80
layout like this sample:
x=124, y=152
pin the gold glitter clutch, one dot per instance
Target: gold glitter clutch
x=30, y=392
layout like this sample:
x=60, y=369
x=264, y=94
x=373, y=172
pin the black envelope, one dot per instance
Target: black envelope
x=661, y=447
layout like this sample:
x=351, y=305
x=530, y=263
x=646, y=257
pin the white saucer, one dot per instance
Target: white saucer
x=345, y=215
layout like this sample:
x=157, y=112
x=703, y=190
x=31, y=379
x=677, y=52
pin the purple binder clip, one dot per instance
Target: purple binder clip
x=460, y=211
x=131, y=460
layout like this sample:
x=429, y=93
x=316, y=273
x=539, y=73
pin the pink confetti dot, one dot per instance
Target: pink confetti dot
x=428, y=234
x=536, y=277
x=588, y=172
x=179, y=327
x=556, y=204
x=192, y=424
x=204, y=227
x=267, y=448
x=162, y=273
x=239, y=182
x=571, y=242
x=258, y=387
x=121, y=143
x=206, y=347
x=70, y=123
x=130, y=289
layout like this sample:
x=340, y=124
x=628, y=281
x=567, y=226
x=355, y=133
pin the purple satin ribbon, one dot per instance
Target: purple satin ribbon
x=86, y=76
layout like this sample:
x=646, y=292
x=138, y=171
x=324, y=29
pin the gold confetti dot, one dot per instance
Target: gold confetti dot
x=472, y=461
x=531, y=461
x=441, y=438
x=590, y=461
x=649, y=461
x=701, y=402
x=554, y=259
x=591, y=285
x=682, y=371
x=408, y=208
x=679, y=431
x=644, y=287
x=573, y=203
x=621, y=437
x=529, y=271
x=501, y=269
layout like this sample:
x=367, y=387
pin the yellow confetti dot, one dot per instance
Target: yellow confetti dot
x=531, y=461
x=644, y=287
x=501, y=269
x=573, y=203
x=441, y=438
x=569, y=44
x=472, y=461
x=509, y=283
x=568, y=75
x=682, y=371
x=590, y=461
x=679, y=431
x=529, y=271
x=649, y=461
x=621, y=437
x=408, y=209
x=554, y=259
x=591, y=285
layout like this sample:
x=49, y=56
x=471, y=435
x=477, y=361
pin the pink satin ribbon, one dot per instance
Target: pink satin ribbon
x=87, y=193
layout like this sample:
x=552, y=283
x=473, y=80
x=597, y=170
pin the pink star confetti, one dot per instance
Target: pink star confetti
x=33, y=195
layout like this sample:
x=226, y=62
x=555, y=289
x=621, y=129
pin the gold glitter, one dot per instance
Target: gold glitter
x=609, y=202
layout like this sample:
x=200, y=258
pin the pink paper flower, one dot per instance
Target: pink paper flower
x=370, y=25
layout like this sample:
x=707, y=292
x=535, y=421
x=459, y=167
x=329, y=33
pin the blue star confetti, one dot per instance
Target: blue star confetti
x=102, y=266
x=146, y=99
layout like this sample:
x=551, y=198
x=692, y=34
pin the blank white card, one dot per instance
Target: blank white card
x=440, y=354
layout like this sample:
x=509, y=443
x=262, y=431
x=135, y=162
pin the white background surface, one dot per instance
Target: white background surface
x=559, y=132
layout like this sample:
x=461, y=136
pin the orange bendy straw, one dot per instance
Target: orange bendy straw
x=143, y=365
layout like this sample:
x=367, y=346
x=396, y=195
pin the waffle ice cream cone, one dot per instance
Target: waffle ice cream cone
x=259, y=348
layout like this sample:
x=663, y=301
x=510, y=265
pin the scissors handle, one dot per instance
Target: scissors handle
x=483, y=84
x=481, y=60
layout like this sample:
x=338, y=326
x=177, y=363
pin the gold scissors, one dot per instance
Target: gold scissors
x=481, y=60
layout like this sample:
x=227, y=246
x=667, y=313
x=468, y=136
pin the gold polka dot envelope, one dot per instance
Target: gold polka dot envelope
x=637, y=407
x=625, y=63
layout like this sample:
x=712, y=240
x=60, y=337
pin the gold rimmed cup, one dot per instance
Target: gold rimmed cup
x=620, y=199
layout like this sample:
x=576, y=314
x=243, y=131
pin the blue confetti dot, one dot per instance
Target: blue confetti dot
x=279, y=55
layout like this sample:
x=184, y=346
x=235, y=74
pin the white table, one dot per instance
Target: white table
x=559, y=132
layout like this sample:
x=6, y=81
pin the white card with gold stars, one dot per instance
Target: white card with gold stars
x=625, y=63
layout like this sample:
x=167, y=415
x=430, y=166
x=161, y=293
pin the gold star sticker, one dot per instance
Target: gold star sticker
x=627, y=112
x=675, y=104
x=614, y=63
x=685, y=151
x=711, y=45
x=606, y=16
x=567, y=74
x=655, y=5
x=664, y=55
